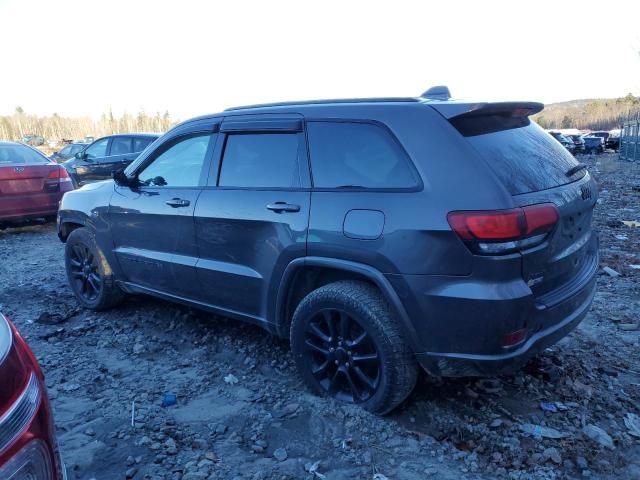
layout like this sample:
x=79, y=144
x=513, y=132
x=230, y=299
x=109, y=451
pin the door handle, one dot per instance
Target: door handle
x=178, y=202
x=280, y=207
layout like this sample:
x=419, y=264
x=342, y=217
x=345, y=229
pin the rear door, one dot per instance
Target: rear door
x=120, y=154
x=252, y=218
x=25, y=186
x=536, y=169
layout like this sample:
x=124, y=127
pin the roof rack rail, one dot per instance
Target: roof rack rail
x=324, y=102
x=439, y=92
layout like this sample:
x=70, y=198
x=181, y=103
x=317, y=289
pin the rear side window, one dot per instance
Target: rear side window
x=357, y=155
x=20, y=155
x=261, y=160
x=120, y=145
x=526, y=159
x=139, y=144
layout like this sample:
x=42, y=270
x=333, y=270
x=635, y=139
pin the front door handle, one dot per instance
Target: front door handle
x=178, y=202
x=280, y=207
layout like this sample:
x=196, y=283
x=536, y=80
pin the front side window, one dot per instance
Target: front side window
x=357, y=155
x=120, y=145
x=180, y=165
x=75, y=149
x=98, y=149
x=268, y=160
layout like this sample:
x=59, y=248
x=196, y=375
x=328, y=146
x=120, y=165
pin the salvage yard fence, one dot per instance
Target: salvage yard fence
x=630, y=139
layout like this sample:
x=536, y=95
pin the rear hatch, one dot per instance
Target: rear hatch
x=536, y=169
x=24, y=173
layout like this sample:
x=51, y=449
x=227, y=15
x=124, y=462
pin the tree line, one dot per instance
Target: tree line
x=600, y=114
x=20, y=123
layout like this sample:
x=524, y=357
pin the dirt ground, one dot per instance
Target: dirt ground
x=242, y=412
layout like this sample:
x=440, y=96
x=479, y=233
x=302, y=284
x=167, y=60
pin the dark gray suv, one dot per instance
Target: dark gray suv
x=377, y=235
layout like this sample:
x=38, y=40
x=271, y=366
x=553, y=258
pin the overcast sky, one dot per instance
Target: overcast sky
x=189, y=57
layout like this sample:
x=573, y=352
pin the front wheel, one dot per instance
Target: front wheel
x=88, y=272
x=348, y=345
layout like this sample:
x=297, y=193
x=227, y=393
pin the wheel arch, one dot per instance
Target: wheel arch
x=68, y=222
x=303, y=275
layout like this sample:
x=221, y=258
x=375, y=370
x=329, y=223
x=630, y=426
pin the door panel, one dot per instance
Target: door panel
x=153, y=241
x=244, y=246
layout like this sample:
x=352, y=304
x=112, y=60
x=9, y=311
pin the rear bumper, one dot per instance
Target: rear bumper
x=460, y=322
x=25, y=207
x=461, y=364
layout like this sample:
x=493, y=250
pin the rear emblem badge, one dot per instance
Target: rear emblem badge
x=585, y=192
x=19, y=169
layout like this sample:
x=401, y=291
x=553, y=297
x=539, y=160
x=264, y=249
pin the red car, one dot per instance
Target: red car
x=31, y=185
x=28, y=446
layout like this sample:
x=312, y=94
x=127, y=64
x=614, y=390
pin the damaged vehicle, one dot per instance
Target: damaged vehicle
x=377, y=235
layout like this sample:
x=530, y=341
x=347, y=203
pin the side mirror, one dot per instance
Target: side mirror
x=81, y=156
x=121, y=178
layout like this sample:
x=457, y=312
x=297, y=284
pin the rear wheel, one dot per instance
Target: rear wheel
x=348, y=345
x=88, y=272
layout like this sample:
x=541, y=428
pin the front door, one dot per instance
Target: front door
x=153, y=226
x=252, y=218
x=89, y=168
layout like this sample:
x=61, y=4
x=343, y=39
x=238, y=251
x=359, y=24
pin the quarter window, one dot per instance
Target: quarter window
x=260, y=160
x=357, y=155
x=180, y=165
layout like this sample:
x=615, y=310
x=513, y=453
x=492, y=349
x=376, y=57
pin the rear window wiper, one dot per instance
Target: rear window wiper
x=573, y=170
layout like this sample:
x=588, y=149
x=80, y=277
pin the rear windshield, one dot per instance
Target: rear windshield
x=526, y=159
x=21, y=155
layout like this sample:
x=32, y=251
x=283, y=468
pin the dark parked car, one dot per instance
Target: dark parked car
x=377, y=235
x=593, y=144
x=578, y=143
x=564, y=140
x=28, y=446
x=613, y=141
x=68, y=151
x=31, y=185
x=106, y=155
x=604, y=135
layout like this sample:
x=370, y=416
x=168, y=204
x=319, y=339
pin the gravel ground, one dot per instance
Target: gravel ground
x=242, y=413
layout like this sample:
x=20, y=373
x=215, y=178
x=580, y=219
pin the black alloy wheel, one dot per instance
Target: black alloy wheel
x=343, y=357
x=85, y=272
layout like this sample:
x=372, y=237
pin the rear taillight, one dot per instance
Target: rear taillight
x=56, y=178
x=32, y=462
x=28, y=449
x=495, y=232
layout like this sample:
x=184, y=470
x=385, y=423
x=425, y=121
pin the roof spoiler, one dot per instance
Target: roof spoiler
x=506, y=109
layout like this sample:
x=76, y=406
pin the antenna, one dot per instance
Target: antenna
x=440, y=92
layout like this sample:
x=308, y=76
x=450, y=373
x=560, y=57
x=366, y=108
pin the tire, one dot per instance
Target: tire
x=336, y=332
x=89, y=275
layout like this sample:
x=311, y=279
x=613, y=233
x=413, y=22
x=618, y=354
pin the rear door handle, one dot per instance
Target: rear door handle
x=280, y=207
x=178, y=202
